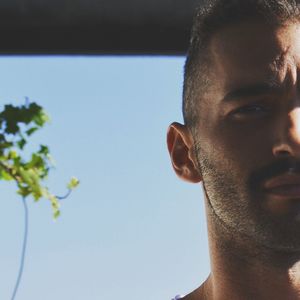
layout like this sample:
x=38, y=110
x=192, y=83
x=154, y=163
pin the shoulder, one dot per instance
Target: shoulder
x=198, y=294
x=192, y=296
x=201, y=293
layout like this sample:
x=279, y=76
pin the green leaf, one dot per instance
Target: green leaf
x=32, y=130
x=36, y=162
x=44, y=150
x=74, y=182
x=24, y=191
x=21, y=143
x=41, y=118
x=6, y=145
x=12, y=154
x=5, y=175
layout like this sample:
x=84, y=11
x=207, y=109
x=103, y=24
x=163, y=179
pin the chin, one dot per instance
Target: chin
x=283, y=237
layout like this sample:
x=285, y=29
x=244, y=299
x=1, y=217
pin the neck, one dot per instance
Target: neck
x=240, y=271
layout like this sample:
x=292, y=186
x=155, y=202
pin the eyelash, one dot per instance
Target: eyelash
x=251, y=110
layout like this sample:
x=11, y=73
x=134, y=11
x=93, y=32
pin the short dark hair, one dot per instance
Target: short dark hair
x=210, y=17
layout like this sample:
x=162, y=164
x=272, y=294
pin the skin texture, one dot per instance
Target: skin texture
x=248, y=132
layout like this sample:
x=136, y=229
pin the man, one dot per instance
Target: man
x=241, y=139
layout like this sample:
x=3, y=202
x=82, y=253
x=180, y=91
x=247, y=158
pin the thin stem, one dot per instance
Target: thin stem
x=23, y=250
x=27, y=102
x=65, y=196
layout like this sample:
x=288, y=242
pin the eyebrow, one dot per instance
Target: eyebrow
x=253, y=90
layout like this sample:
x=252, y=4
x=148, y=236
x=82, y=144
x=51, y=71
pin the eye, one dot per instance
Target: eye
x=251, y=110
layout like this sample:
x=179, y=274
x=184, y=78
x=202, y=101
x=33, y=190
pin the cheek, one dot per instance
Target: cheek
x=239, y=145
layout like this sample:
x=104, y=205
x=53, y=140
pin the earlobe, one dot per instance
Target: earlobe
x=180, y=146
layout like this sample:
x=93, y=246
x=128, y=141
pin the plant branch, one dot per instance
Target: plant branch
x=9, y=171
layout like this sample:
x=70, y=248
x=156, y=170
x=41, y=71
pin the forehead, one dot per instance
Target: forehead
x=252, y=51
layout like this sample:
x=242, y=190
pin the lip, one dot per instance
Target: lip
x=286, y=186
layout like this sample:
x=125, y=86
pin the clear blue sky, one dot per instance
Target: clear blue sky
x=132, y=230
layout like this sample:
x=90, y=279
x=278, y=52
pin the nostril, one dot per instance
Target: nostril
x=281, y=152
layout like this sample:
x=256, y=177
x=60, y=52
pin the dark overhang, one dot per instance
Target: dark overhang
x=159, y=27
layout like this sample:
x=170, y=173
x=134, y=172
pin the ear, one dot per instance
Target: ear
x=180, y=145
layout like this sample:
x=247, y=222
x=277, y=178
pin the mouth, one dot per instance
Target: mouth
x=286, y=186
x=286, y=191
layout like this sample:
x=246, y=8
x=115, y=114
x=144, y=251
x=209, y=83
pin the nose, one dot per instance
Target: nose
x=288, y=135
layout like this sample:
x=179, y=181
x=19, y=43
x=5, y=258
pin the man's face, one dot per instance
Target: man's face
x=248, y=133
